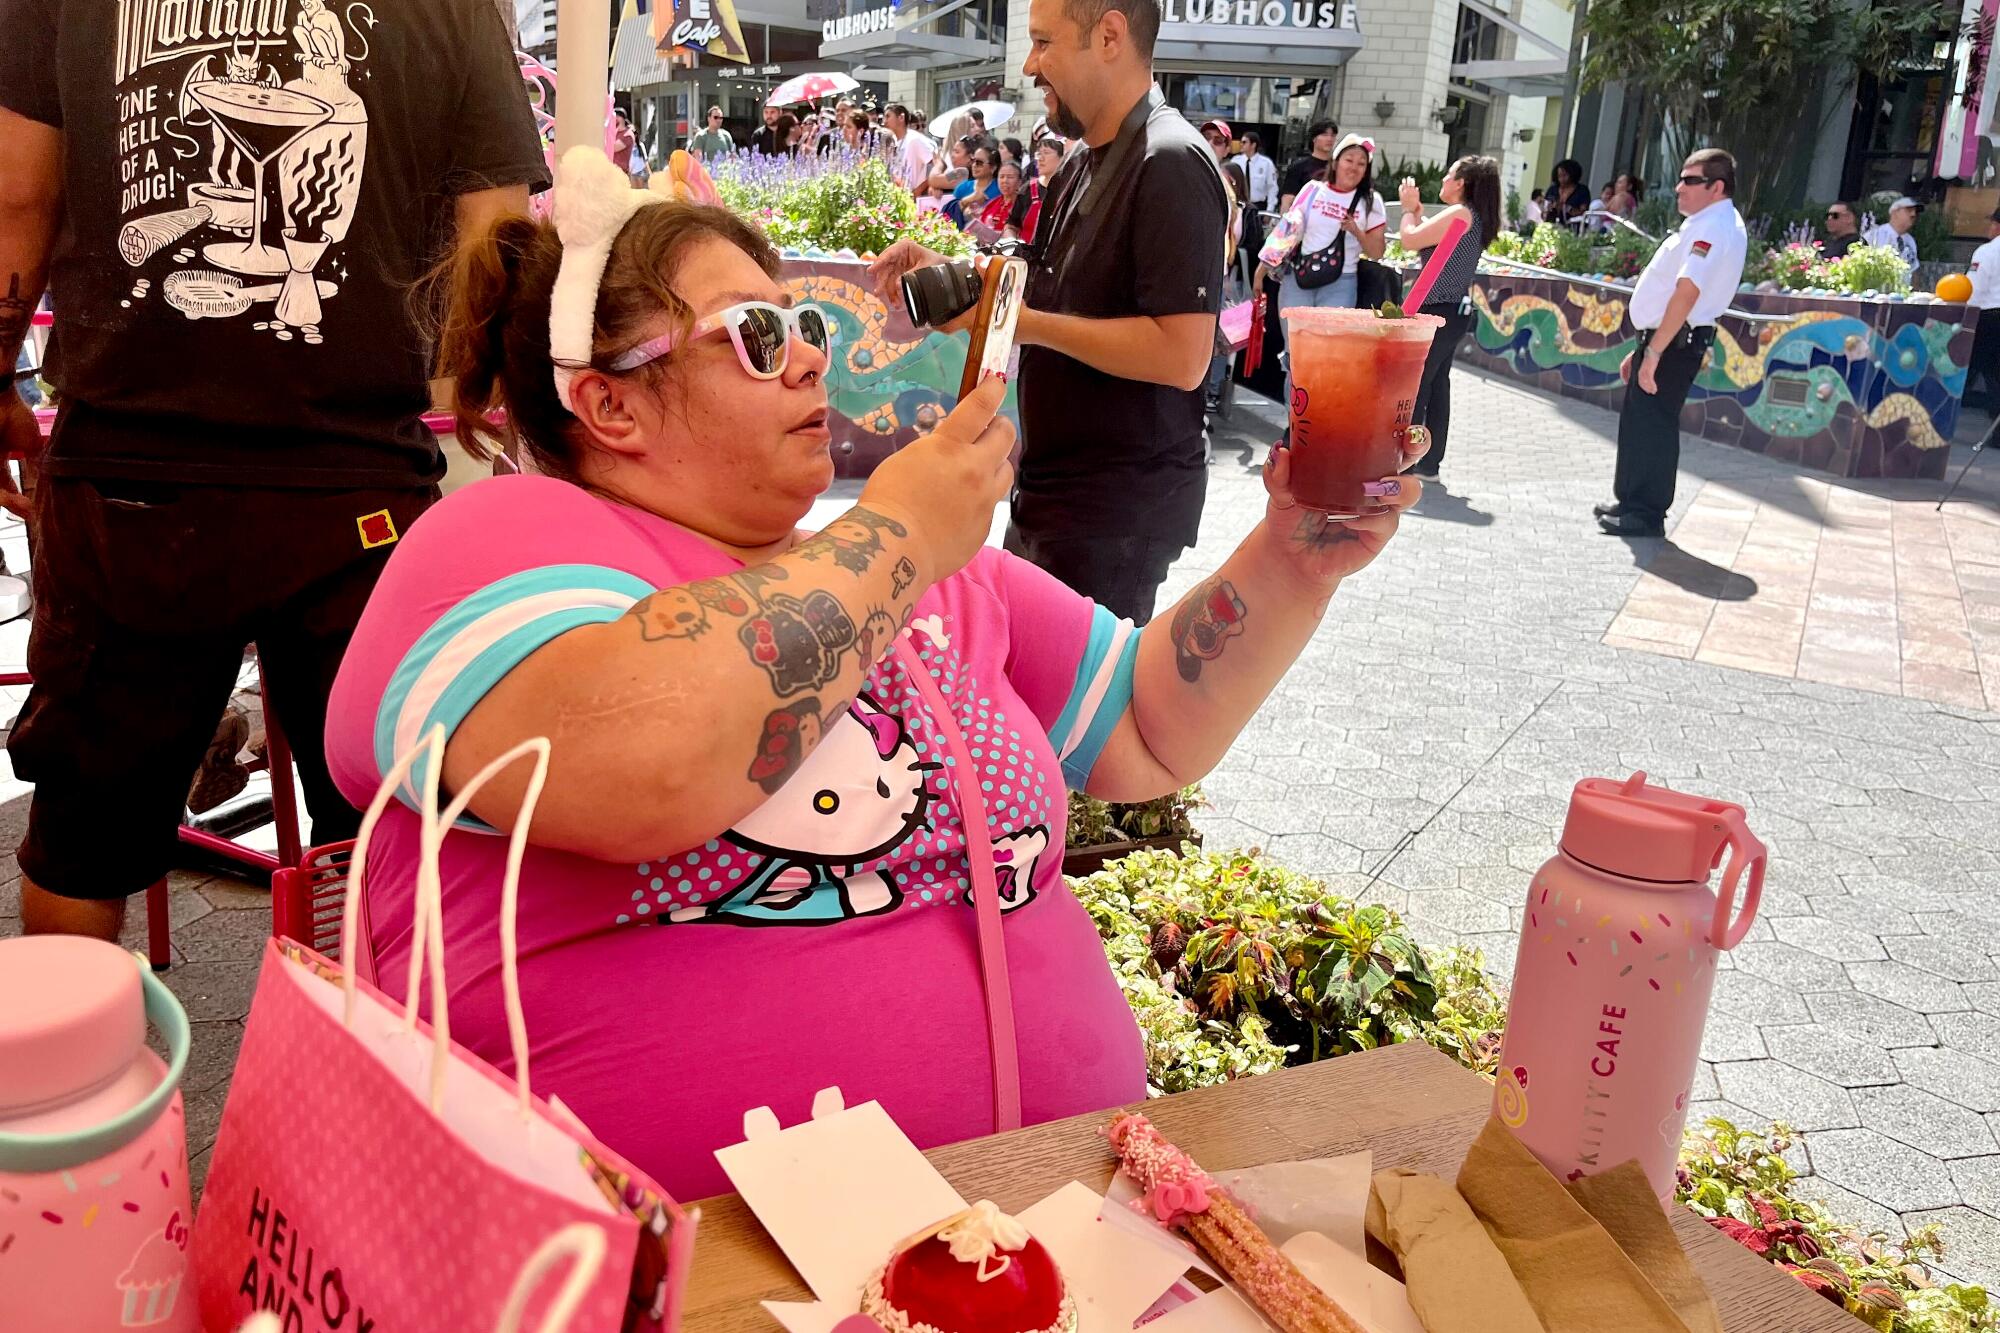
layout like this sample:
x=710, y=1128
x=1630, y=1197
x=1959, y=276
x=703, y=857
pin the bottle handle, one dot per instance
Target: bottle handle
x=1745, y=852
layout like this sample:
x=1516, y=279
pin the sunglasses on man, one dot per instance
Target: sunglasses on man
x=1697, y=180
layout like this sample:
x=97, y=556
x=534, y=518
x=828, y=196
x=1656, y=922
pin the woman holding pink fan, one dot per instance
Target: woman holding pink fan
x=1471, y=190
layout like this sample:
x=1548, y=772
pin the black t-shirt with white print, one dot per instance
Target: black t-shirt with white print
x=253, y=190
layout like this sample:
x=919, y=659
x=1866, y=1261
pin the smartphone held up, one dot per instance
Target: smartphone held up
x=937, y=294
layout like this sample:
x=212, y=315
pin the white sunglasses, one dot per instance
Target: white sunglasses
x=762, y=334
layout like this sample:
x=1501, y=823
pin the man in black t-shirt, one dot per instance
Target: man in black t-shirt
x=1125, y=281
x=229, y=206
x=764, y=139
x=1319, y=144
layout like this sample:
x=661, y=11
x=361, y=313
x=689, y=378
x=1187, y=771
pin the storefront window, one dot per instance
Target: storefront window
x=1896, y=123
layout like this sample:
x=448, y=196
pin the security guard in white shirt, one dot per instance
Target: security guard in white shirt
x=1683, y=291
x=1984, y=363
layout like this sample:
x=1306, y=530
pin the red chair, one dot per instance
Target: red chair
x=307, y=901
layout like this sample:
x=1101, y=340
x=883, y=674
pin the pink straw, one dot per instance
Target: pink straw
x=1454, y=230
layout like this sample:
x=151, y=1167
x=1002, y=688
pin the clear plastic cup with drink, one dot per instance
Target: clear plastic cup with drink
x=1354, y=382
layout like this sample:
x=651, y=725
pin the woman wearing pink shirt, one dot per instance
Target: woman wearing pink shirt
x=788, y=768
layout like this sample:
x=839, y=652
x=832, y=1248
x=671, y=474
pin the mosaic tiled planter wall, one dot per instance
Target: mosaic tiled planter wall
x=890, y=381
x=1855, y=388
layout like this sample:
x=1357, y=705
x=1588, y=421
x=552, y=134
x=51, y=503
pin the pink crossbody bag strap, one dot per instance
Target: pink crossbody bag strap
x=985, y=897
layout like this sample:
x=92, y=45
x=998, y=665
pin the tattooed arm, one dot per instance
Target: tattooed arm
x=30, y=209
x=673, y=722
x=1206, y=666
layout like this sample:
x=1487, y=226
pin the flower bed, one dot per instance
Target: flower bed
x=1234, y=966
x=842, y=203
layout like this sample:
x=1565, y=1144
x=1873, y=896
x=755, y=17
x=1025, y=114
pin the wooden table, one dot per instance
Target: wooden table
x=1408, y=1105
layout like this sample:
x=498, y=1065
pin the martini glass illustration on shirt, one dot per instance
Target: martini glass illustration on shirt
x=261, y=122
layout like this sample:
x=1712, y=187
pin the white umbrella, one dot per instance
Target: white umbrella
x=996, y=113
x=810, y=88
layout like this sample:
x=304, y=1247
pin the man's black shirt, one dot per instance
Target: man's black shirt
x=1132, y=228
x=1305, y=169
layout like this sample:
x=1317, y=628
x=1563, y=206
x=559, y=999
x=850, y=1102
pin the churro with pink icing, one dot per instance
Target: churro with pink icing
x=1181, y=1195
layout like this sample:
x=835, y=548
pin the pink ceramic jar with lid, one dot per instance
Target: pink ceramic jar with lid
x=94, y=1197
x=1619, y=944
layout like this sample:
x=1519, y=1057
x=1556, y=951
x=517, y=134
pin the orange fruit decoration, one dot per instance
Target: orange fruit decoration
x=1954, y=287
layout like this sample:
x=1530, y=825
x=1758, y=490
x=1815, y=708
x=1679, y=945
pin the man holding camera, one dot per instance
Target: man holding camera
x=1125, y=282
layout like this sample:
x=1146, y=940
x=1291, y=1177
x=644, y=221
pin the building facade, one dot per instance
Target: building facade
x=1428, y=80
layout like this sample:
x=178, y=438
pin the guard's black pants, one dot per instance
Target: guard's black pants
x=1649, y=425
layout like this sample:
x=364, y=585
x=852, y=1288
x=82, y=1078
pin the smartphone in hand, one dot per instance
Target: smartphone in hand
x=1003, y=288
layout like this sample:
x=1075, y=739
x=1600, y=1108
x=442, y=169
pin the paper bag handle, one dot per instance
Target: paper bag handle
x=427, y=912
x=581, y=1242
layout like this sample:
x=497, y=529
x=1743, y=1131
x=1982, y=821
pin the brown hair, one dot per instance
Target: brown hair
x=1717, y=165
x=494, y=339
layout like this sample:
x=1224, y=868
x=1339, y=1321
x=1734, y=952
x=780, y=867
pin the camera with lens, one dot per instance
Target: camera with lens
x=940, y=293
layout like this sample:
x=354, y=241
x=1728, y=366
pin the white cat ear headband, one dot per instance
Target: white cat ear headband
x=594, y=201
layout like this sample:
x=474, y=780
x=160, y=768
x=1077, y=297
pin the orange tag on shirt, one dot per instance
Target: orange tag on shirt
x=377, y=529
x=1700, y=249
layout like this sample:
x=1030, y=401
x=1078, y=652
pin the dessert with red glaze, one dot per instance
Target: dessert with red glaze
x=978, y=1271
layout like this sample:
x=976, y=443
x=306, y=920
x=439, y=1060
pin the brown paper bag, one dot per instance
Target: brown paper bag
x=1623, y=1203
x=1572, y=1271
x=1457, y=1280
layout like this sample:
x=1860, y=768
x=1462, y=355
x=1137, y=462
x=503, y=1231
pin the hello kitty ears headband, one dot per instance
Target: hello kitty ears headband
x=593, y=202
x=1355, y=141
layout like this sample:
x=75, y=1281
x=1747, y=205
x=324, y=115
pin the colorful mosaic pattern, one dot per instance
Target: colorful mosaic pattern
x=890, y=381
x=1856, y=388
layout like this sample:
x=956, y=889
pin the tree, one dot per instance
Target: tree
x=1751, y=75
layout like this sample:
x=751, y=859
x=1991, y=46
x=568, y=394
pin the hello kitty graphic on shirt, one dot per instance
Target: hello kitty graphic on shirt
x=858, y=797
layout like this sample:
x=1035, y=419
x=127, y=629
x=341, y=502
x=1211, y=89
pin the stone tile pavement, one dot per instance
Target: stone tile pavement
x=1421, y=753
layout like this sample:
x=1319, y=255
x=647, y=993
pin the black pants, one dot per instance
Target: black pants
x=145, y=595
x=1121, y=574
x=1983, y=366
x=1649, y=425
x=1433, y=406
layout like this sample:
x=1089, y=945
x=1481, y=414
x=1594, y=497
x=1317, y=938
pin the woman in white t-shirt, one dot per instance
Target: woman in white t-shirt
x=1340, y=208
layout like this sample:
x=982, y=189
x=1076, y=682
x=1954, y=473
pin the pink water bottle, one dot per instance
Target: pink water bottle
x=93, y=1143
x=1612, y=982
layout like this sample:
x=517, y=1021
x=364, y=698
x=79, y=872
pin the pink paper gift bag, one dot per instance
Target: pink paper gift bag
x=371, y=1177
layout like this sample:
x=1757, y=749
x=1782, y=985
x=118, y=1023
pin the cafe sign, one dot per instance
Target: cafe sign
x=708, y=26
x=1308, y=14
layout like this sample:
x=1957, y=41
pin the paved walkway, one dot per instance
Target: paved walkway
x=1422, y=751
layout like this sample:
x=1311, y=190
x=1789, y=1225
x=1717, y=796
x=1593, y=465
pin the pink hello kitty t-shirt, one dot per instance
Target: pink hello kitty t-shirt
x=824, y=940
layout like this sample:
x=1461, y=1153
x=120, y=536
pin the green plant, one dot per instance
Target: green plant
x=1798, y=266
x=1558, y=248
x=1261, y=958
x=1868, y=268
x=1093, y=823
x=1429, y=177
x=1740, y=1181
x=1628, y=256
x=1751, y=75
x=1933, y=232
x=840, y=202
x=1657, y=216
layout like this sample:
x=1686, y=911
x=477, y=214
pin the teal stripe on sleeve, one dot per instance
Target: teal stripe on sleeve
x=494, y=644
x=1103, y=628
x=1077, y=766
